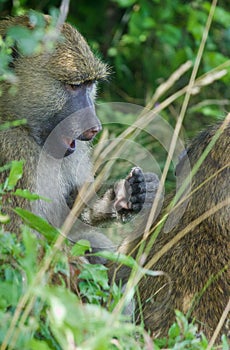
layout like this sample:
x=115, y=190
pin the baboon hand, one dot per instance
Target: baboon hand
x=136, y=192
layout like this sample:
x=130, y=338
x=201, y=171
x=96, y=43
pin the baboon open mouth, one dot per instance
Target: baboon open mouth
x=70, y=145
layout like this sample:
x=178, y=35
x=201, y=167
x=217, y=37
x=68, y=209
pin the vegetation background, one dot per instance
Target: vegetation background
x=143, y=42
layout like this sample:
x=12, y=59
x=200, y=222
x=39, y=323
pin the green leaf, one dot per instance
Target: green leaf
x=25, y=39
x=4, y=218
x=118, y=258
x=29, y=195
x=225, y=343
x=174, y=331
x=37, y=223
x=8, y=295
x=5, y=167
x=15, y=174
x=39, y=345
x=96, y=273
x=80, y=247
x=125, y=3
x=11, y=286
x=28, y=262
x=156, y=347
x=13, y=124
x=37, y=19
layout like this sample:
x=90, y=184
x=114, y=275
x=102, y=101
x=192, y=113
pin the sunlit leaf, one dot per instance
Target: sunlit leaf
x=37, y=223
x=118, y=258
x=15, y=174
x=4, y=218
x=80, y=247
x=29, y=195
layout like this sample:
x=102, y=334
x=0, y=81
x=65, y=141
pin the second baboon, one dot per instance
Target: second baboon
x=196, y=266
x=55, y=93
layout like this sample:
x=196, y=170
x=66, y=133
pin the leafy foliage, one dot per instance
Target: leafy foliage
x=41, y=39
x=183, y=335
x=49, y=315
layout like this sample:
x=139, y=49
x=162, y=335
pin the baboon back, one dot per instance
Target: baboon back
x=197, y=266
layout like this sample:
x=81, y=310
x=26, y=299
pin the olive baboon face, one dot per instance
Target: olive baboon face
x=77, y=120
x=55, y=90
x=81, y=123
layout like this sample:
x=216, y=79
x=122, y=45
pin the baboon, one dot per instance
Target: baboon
x=196, y=267
x=55, y=92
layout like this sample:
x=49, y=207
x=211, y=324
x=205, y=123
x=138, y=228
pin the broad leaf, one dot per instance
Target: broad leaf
x=29, y=195
x=37, y=223
x=80, y=247
x=16, y=172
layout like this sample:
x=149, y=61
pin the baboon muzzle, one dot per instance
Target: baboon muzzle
x=87, y=135
x=81, y=125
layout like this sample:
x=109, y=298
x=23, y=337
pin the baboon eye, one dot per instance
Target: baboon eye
x=73, y=87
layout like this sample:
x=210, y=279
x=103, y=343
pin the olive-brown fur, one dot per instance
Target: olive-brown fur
x=198, y=258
